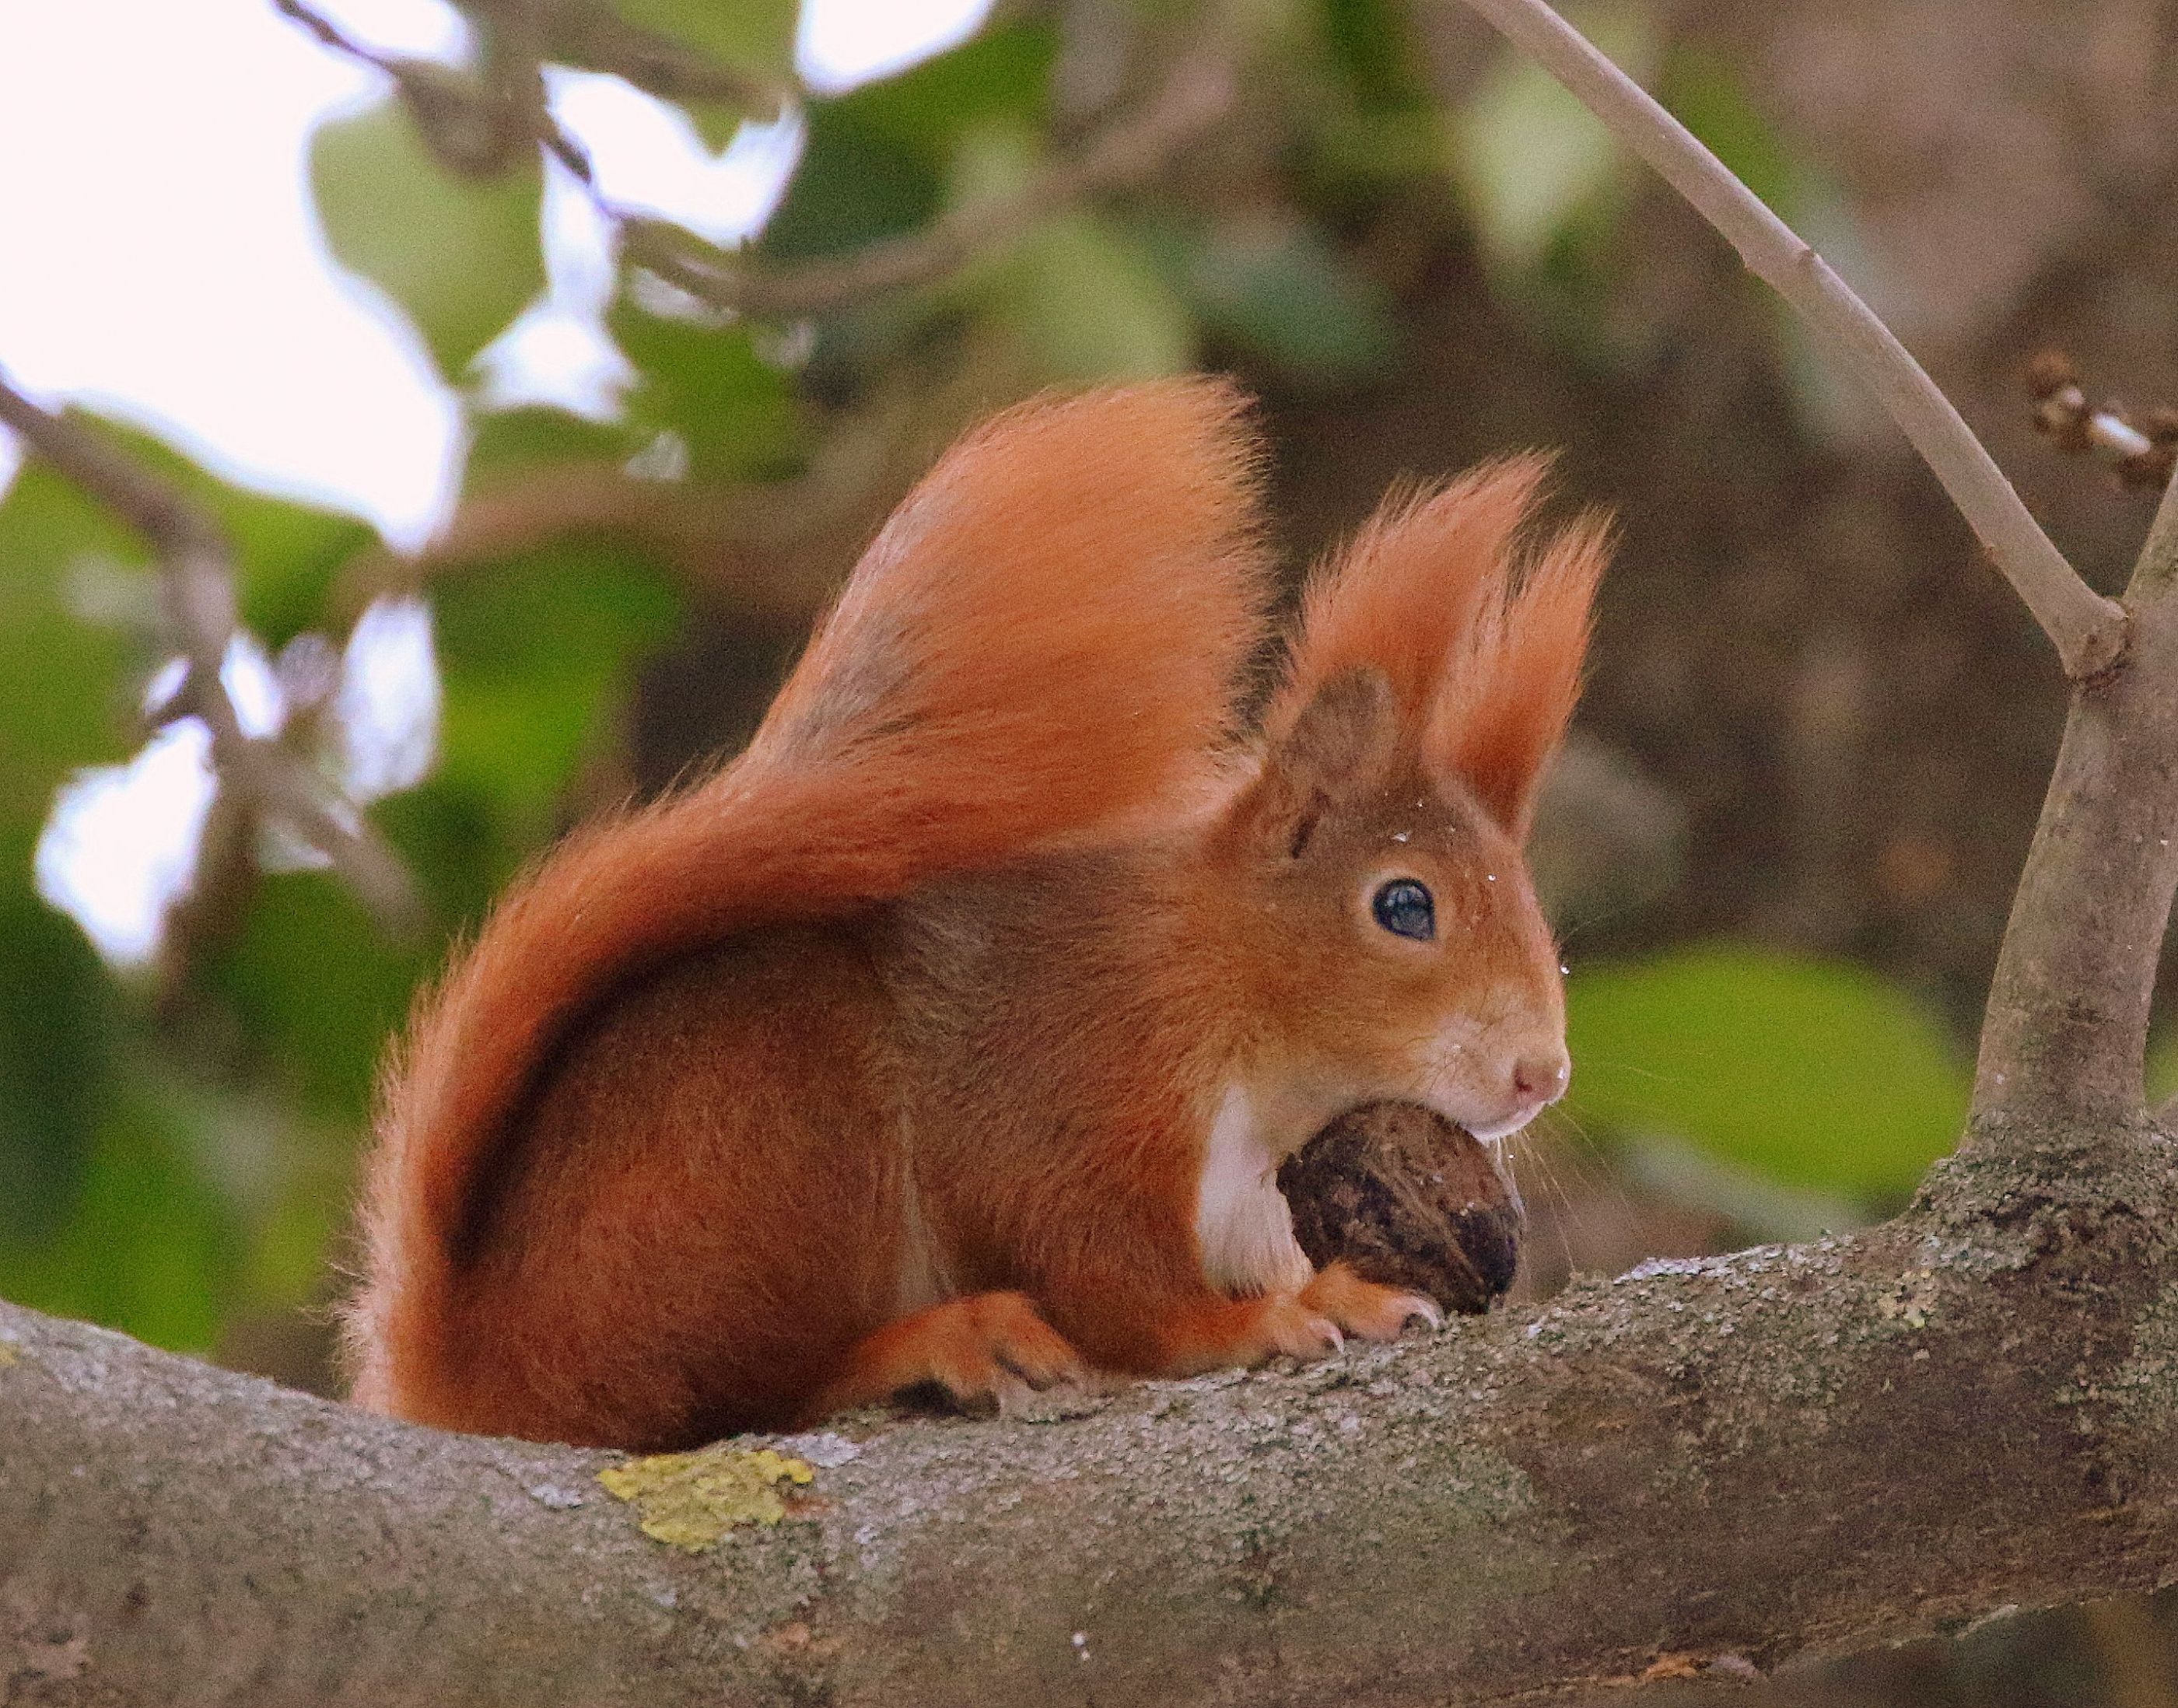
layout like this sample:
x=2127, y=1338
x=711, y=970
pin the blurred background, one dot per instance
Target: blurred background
x=537, y=467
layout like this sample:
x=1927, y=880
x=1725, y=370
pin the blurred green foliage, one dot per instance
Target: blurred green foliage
x=1533, y=162
x=460, y=254
x=176, y=1151
x=756, y=37
x=2162, y=1075
x=1814, y=1074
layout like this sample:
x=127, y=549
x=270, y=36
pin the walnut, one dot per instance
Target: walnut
x=1410, y=1201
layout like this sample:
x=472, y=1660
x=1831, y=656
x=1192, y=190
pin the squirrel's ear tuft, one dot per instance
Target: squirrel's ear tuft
x=1335, y=748
x=1405, y=594
x=1503, y=705
x=1478, y=627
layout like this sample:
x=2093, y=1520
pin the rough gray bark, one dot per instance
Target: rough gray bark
x=2068, y=1009
x=1780, y=1452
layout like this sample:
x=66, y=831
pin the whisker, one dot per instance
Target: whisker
x=1593, y=920
x=1591, y=1058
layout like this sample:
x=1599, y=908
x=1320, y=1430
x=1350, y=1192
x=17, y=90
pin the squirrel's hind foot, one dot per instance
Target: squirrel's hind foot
x=988, y=1352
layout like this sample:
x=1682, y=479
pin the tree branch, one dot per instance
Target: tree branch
x=2088, y=630
x=728, y=546
x=2066, y=1031
x=773, y=551
x=1195, y=93
x=476, y=124
x=197, y=596
x=596, y=38
x=1785, y=1452
x=2157, y=569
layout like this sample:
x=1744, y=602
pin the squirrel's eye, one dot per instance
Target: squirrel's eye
x=1406, y=908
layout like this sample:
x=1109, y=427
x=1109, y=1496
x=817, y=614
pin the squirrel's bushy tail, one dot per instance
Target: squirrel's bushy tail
x=1044, y=642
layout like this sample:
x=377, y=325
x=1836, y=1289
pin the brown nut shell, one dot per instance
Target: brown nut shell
x=1410, y=1201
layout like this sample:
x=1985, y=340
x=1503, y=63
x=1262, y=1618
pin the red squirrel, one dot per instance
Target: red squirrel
x=951, y=1035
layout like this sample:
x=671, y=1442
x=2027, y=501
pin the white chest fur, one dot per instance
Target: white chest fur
x=1241, y=1222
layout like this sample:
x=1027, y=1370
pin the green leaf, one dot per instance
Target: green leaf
x=706, y=384
x=879, y=161
x=63, y=563
x=1379, y=149
x=853, y=189
x=1530, y=158
x=317, y=986
x=70, y=557
x=73, y=588
x=535, y=433
x=149, y=1246
x=752, y=35
x=1087, y=304
x=999, y=78
x=2161, y=1079
x=287, y=557
x=1370, y=45
x=462, y=255
x=1819, y=1074
x=285, y=1265
x=285, y=553
x=57, y=1036
x=1280, y=292
x=537, y=655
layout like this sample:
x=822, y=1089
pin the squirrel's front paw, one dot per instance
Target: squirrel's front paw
x=1364, y=1308
x=1288, y=1323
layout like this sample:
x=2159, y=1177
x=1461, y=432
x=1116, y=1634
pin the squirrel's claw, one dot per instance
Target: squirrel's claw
x=1291, y=1326
x=1365, y=1308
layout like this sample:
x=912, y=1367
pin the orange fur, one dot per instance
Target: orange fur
x=930, y=1042
x=1481, y=633
x=967, y=701
x=1406, y=592
x=1503, y=710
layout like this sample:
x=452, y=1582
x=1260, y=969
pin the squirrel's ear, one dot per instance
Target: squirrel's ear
x=1336, y=747
x=1406, y=593
x=1502, y=709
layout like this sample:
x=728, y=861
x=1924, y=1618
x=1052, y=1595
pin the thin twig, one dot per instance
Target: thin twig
x=330, y=35
x=731, y=546
x=1198, y=91
x=477, y=125
x=197, y=595
x=770, y=552
x=2142, y=453
x=597, y=38
x=2088, y=630
x=1196, y=94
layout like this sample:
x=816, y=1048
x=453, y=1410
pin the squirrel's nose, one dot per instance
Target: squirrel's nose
x=1542, y=1078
